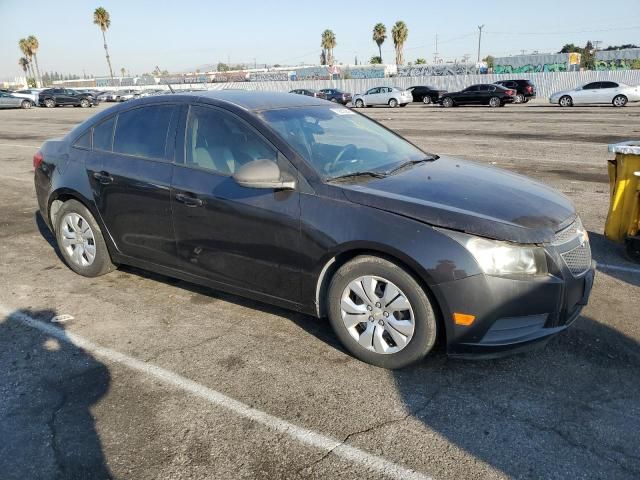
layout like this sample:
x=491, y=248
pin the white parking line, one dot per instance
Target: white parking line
x=18, y=145
x=305, y=436
x=18, y=179
x=619, y=268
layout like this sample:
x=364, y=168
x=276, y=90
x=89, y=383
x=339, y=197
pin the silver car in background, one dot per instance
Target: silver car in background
x=391, y=96
x=30, y=93
x=617, y=94
x=7, y=100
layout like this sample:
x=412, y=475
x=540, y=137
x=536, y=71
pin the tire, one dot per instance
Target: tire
x=334, y=100
x=426, y=100
x=359, y=103
x=520, y=98
x=565, y=101
x=393, y=103
x=84, y=103
x=495, y=102
x=447, y=102
x=619, y=101
x=25, y=104
x=50, y=103
x=526, y=100
x=418, y=321
x=73, y=217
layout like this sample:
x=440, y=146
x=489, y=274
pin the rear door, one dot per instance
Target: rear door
x=132, y=174
x=247, y=238
x=608, y=90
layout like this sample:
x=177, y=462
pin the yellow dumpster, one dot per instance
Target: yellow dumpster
x=623, y=219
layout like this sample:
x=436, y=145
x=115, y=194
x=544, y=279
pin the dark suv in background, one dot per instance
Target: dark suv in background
x=53, y=97
x=425, y=94
x=525, y=90
x=335, y=95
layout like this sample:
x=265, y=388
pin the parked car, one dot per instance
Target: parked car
x=525, y=89
x=30, y=93
x=108, y=96
x=391, y=96
x=482, y=94
x=297, y=202
x=617, y=94
x=425, y=94
x=124, y=95
x=309, y=92
x=9, y=101
x=53, y=97
x=337, y=96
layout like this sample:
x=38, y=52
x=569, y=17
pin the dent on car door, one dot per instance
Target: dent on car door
x=132, y=176
x=247, y=238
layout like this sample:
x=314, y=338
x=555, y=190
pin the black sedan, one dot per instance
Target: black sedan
x=426, y=94
x=309, y=205
x=54, y=97
x=309, y=92
x=482, y=94
x=336, y=96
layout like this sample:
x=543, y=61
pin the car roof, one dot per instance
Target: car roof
x=252, y=100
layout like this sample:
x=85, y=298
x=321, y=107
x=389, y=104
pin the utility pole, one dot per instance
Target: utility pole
x=435, y=55
x=480, y=27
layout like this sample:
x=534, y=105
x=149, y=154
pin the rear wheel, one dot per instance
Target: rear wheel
x=447, y=102
x=380, y=313
x=81, y=242
x=619, y=101
x=334, y=100
x=359, y=103
x=426, y=99
x=566, y=101
x=25, y=104
x=495, y=102
x=393, y=103
x=49, y=103
x=519, y=98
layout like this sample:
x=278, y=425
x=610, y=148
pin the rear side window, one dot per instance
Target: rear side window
x=84, y=141
x=143, y=132
x=608, y=85
x=103, y=135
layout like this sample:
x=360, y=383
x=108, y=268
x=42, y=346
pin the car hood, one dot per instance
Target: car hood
x=469, y=197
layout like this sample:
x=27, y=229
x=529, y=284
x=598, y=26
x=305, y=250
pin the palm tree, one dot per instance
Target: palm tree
x=328, y=43
x=103, y=20
x=122, y=71
x=379, y=36
x=24, y=63
x=33, y=43
x=26, y=51
x=400, y=32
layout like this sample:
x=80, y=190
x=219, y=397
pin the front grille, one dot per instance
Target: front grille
x=568, y=234
x=578, y=260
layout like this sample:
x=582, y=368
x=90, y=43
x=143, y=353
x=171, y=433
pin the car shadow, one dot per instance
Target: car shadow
x=606, y=252
x=569, y=410
x=48, y=387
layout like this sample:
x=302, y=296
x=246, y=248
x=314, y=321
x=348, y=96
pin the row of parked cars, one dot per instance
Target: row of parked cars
x=497, y=94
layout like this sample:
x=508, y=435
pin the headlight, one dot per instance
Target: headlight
x=503, y=258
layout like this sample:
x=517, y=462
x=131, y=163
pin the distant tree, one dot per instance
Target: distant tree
x=620, y=47
x=25, y=48
x=277, y=65
x=379, y=36
x=421, y=61
x=635, y=65
x=571, y=48
x=375, y=60
x=588, y=58
x=24, y=64
x=399, y=32
x=328, y=43
x=222, y=67
x=122, y=72
x=33, y=43
x=323, y=57
x=102, y=18
x=489, y=60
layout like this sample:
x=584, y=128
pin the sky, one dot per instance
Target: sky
x=183, y=35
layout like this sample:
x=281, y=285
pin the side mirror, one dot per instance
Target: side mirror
x=263, y=174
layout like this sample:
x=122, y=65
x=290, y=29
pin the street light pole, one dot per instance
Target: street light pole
x=480, y=27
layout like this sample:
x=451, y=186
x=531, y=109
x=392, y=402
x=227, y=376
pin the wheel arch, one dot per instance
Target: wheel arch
x=331, y=266
x=62, y=195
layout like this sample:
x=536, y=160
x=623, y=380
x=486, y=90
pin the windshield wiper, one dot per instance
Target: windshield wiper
x=358, y=174
x=404, y=165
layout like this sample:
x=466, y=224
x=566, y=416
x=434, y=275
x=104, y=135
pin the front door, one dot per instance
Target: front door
x=247, y=238
x=132, y=175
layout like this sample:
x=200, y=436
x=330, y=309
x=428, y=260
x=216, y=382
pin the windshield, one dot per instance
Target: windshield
x=337, y=141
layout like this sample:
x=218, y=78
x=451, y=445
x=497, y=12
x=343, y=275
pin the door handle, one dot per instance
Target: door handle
x=103, y=177
x=188, y=200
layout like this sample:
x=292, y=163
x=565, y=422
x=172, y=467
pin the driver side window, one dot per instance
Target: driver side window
x=221, y=143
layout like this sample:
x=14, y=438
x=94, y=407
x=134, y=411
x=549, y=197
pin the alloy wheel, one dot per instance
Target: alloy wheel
x=494, y=102
x=78, y=240
x=377, y=314
x=426, y=99
x=619, y=101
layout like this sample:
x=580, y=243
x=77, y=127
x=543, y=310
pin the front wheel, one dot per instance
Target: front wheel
x=49, y=103
x=495, y=102
x=426, y=99
x=359, y=103
x=380, y=313
x=81, y=242
x=619, y=101
x=84, y=103
x=25, y=104
x=447, y=102
x=393, y=103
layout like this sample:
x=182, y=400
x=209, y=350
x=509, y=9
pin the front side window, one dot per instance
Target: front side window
x=372, y=91
x=142, y=132
x=220, y=142
x=338, y=141
x=103, y=135
x=592, y=86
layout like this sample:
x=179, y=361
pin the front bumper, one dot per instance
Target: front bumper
x=512, y=315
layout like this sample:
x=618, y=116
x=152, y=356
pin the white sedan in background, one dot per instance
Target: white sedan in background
x=617, y=94
x=391, y=96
